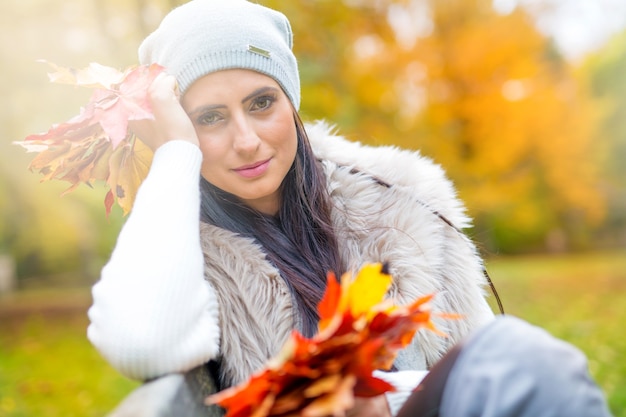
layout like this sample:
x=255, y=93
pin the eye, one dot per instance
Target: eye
x=262, y=103
x=209, y=118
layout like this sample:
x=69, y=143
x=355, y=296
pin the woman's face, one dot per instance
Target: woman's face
x=247, y=134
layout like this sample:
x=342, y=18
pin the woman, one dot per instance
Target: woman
x=280, y=205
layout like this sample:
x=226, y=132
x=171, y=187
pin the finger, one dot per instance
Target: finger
x=164, y=88
x=169, y=81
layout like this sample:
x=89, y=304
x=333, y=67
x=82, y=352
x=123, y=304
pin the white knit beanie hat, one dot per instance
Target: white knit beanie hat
x=205, y=36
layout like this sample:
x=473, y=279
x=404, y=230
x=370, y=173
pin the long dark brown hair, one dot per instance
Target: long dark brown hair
x=299, y=241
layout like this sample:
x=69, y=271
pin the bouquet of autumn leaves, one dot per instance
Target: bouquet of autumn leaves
x=359, y=332
x=97, y=144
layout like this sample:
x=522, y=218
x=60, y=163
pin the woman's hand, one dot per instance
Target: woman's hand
x=370, y=407
x=170, y=120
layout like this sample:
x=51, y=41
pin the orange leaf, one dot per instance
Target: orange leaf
x=241, y=402
x=328, y=304
x=109, y=199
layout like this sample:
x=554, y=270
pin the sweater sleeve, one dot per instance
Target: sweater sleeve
x=153, y=312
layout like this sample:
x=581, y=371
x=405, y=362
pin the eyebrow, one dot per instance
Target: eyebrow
x=258, y=92
x=253, y=94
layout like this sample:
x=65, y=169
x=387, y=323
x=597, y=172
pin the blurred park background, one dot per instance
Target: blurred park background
x=522, y=104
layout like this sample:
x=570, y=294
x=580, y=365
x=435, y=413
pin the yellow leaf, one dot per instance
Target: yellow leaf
x=366, y=290
x=129, y=165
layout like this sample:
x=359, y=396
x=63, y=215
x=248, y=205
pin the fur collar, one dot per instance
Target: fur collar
x=388, y=204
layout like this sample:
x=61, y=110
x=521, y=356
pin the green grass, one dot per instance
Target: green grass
x=48, y=368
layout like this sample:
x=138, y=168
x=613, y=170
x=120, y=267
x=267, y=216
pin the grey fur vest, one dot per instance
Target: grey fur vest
x=389, y=206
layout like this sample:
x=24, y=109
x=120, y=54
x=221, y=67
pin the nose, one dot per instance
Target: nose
x=245, y=139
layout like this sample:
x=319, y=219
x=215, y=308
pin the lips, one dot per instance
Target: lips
x=253, y=170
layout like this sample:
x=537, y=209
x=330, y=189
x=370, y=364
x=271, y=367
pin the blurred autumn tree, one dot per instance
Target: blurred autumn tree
x=507, y=117
x=484, y=94
x=604, y=74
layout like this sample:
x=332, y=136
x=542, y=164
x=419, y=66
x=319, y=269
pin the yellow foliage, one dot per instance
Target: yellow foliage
x=483, y=94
